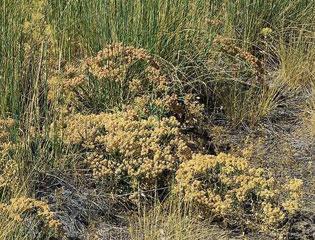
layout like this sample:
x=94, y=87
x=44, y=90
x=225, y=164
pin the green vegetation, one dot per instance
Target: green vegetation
x=109, y=101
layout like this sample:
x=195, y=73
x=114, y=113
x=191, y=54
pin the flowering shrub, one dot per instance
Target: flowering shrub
x=226, y=186
x=8, y=167
x=5, y=126
x=125, y=148
x=187, y=110
x=229, y=47
x=18, y=207
x=115, y=76
x=120, y=77
x=35, y=26
x=141, y=144
x=8, y=173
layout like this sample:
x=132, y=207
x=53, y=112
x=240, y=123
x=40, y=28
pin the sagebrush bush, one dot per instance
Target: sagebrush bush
x=226, y=187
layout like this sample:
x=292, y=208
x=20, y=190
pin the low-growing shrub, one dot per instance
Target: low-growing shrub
x=141, y=144
x=187, y=109
x=5, y=126
x=226, y=187
x=21, y=210
x=19, y=206
x=8, y=167
x=114, y=77
x=120, y=77
x=127, y=150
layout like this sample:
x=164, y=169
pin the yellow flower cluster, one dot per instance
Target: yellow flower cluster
x=117, y=74
x=228, y=187
x=271, y=215
x=8, y=173
x=293, y=201
x=35, y=26
x=229, y=47
x=8, y=168
x=18, y=207
x=5, y=126
x=266, y=31
x=122, y=145
x=187, y=110
x=115, y=60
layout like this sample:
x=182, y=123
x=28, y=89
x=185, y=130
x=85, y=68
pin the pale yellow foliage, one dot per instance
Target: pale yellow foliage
x=293, y=187
x=229, y=187
x=35, y=26
x=5, y=126
x=8, y=167
x=18, y=207
x=110, y=78
x=9, y=174
x=121, y=77
x=123, y=145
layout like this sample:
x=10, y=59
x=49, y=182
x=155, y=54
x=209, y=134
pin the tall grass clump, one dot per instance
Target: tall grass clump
x=172, y=219
x=126, y=88
x=163, y=27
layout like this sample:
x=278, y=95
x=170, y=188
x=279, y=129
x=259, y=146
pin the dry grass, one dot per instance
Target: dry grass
x=260, y=73
x=172, y=220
